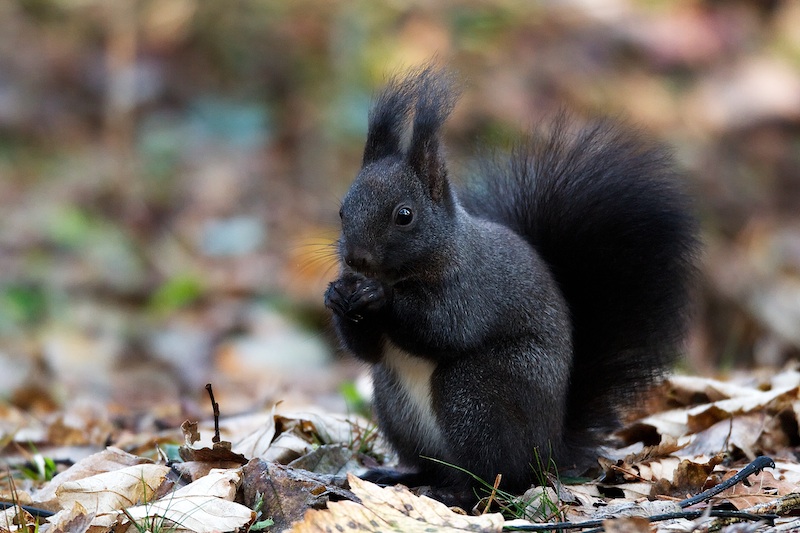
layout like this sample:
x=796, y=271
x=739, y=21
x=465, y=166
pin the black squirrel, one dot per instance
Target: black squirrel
x=509, y=319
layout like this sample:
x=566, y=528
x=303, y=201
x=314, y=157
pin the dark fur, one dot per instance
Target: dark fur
x=545, y=296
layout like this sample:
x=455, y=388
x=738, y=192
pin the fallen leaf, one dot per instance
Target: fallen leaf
x=74, y=520
x=107, y=460
x=190, y=432
x=693, y=390
x=206, y=505
x=741, y=432
x=289, y=436
x=393, y=509
x=328, y=459
x=758, y=489
x=220, y=453
x=630, y=524
x=9, y=519
x=105, y=494
x=679, y=422
x=289, y=492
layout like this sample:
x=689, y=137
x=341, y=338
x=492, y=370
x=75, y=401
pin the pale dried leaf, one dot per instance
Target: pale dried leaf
x=292, y=435
x=8, y=519
x=73, y=520
x=740, y=431
x=635, y=491
x=258, y=442
x=539, y=502
x=107, y=460
x=789, y=472
x=393, y=509
x=686, y=389
x=329, y=428
x=202, y=506
x=286, y=448
x=651, y=470
x=679, y=422
x=110, y=491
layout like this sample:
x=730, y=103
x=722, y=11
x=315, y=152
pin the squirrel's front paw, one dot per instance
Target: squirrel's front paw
x=350, y=296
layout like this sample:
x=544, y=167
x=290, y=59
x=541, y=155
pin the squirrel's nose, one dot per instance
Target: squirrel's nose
x=359, y=258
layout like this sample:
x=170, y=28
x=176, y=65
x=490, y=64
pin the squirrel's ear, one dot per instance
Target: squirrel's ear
x=435, y=101
x=387, y=119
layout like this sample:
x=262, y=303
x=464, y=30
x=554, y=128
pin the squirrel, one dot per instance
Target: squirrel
x=508, y=319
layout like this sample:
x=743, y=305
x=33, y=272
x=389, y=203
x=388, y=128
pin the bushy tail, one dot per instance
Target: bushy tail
x=604, y=209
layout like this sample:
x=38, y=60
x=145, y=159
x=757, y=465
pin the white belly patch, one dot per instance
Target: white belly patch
x=414, y=376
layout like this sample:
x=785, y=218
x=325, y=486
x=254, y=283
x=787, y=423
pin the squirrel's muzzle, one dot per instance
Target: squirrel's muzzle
x=359, y=259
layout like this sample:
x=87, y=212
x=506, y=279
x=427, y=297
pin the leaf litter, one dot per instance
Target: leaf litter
x=298, y=470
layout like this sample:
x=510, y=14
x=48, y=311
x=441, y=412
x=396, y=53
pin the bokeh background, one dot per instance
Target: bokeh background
x=170, y=173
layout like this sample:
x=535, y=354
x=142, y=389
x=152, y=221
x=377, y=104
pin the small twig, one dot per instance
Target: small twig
x=630, y=473
x=598, y=524
x=215, y=407
x=497, y=479
x=755, y=467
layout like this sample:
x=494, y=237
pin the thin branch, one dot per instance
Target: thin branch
x=755, y=467
x=215, y=407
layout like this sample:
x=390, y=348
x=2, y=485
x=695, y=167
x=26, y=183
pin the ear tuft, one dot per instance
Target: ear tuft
x=434, y=103
x=388, y=118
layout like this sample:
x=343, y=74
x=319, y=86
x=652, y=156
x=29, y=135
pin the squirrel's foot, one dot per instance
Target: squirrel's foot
x=352, y=295
x=390, y=476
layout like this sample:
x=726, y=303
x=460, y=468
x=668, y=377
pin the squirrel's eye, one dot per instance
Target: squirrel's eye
x=404, y=216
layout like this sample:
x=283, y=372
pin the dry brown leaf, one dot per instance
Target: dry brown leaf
x=393, y=509
x=690, y=476
x=758, y=489
x=289, y=492
x=329, y=459
x=219, y=454
x=190, y=432
x=630, y=524
x=206, y=505
x=702, y=417
x=194, y=470
x=679, y=422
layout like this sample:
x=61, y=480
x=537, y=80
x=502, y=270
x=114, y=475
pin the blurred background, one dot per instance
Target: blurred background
x=170, y=172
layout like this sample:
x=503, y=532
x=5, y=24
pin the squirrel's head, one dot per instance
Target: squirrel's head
x=398, y=216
